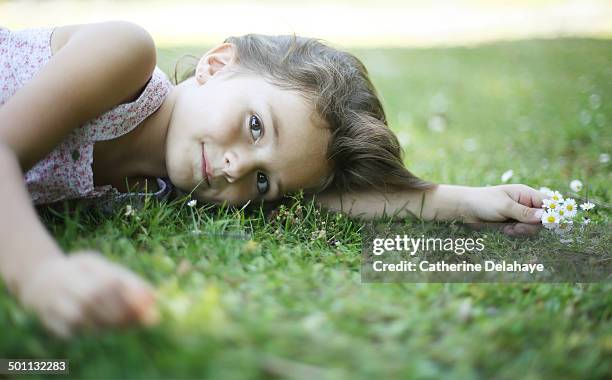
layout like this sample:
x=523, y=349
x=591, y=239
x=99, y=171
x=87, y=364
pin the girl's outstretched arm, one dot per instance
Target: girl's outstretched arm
x=97, y=68
x=444, y=203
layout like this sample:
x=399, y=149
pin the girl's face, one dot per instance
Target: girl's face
x=236, y=138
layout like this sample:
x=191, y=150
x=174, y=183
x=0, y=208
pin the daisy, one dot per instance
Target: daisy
x=556, y=196
x=569, y=206
x=576, y=185
x=551, y=205
x=550, y=219
x=587, y=206
x=562, y=213
x=192, y=203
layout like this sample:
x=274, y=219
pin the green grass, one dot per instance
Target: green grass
x=289, y=303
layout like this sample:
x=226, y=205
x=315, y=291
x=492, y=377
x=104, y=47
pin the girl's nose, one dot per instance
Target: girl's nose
x=236, y=166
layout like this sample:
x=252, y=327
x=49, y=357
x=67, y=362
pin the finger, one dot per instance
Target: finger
x=537, y=198
x=97, y=291
x=62, y=316
x=138, y=295
x=60, y=313
x=56, y=326
x=141, y=301
x=521, y=229
x=115, y=299
x=525, y=195
x=106, y=306
x=133, y=297
x=524, y=214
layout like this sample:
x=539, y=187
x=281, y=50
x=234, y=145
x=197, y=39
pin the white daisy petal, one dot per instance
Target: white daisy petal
x=557, y=196
x=551, y=204
x=587, y=206
x=550, y=219
x=569, y=208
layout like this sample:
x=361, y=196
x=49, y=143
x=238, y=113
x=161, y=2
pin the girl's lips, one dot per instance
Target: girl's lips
x=205, y=174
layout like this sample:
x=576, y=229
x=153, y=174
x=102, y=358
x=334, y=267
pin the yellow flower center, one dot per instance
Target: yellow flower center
x=551, y=219
x=570, y=207
x=560, y=212
x=553, y=205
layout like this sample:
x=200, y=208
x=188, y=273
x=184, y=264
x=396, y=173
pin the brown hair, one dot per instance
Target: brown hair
x=364, y=152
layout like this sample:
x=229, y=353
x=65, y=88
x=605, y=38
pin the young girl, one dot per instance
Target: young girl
x=85, y=113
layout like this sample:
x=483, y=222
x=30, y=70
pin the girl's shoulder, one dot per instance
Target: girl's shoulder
x=98, y=67
x=62, y=34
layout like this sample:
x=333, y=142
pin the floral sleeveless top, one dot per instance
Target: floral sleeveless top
x=66, y=172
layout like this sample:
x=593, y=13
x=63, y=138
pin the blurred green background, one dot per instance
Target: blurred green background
x=346, y=23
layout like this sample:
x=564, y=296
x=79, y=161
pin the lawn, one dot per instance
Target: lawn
x=256, y=296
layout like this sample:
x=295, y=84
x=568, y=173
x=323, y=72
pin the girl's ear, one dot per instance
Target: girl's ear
x=214, y=61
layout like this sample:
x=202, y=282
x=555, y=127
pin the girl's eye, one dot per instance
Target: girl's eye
x=262, y=183
x=256, y=127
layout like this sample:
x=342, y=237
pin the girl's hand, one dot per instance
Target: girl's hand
x=503, y=202
x=83, y=290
